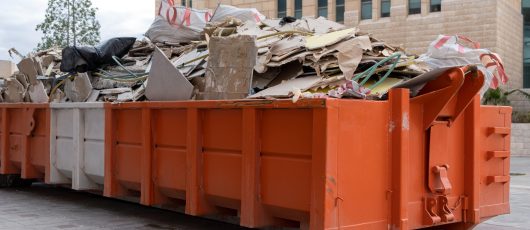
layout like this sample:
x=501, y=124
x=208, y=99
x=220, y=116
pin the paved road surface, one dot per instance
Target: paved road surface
x=43, y=207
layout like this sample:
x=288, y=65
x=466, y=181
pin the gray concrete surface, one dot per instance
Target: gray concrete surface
x=45, y=207
x=519, y=218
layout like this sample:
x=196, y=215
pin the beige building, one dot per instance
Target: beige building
x=7, y=68
x=496, y=24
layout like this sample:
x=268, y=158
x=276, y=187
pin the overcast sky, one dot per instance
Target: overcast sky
x=117, y=18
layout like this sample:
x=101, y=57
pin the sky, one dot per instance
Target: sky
x=18, y=20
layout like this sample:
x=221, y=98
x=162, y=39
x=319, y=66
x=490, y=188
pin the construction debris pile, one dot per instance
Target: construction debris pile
x=232, y=54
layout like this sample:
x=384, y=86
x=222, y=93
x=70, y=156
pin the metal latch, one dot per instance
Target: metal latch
x=437, y=210
x=441, y=183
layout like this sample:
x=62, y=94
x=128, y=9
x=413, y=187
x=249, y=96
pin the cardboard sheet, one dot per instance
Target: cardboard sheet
x=285, y=89
x=323, y=40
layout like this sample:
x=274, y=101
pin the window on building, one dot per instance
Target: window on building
x=339, y=9
x=323, y=8
x=183, y=2
x=366, y=9
x=190, y=4
x=414, y=6
x=436, y=5
x=298, y=8
x=526, y=43
x=385, y=8
x=282, y=8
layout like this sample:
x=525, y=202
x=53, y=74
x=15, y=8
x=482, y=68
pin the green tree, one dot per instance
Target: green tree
x=69, y=22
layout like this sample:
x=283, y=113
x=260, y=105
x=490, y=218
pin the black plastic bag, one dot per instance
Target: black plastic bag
x=89, y=58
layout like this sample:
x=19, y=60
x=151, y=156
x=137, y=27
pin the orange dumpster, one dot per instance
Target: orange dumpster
x=25, y=139
x=437, y=159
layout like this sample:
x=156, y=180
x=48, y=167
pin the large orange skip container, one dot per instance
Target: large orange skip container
x=25, y=140
x=438, y=159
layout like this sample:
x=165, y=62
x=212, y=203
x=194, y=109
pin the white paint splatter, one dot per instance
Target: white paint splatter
x=405, y=121
x=391, y=126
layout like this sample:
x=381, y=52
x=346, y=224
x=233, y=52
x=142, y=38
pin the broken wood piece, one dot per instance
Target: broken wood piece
x=49, y=70
x=189, y=61
x=114, y=91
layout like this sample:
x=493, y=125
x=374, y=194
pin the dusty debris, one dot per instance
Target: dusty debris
x=166, y=83
x=229, y=53
x=14, y=91
x=230, y=67
x=27, y=67
x=79, y=88
x=37, y=93
x=287, y=88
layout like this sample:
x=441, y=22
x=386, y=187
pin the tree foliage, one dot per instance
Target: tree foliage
x=69, y=22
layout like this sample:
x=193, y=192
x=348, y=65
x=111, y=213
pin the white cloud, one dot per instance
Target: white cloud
x=117, y=18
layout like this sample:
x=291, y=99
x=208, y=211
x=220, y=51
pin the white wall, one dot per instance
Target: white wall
x=520, y=139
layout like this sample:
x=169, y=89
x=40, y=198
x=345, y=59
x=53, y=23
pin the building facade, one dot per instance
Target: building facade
x=7, y=68
x=496, y=24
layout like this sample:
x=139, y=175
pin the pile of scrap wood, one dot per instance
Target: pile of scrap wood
x=233, y=56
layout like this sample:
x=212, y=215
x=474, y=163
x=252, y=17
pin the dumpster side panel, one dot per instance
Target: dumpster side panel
x=92, y=158
x=124, y=134
x=129, y=150
x=221, y=149
x=495, y=125
x=76, y=145
x=364, y=167
x=25, y=140
x=61, y=146
x=169, y=156
x=440, y=145
x=39, y=141
x=176, y=154
x=17, y=130
x=286, y=158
